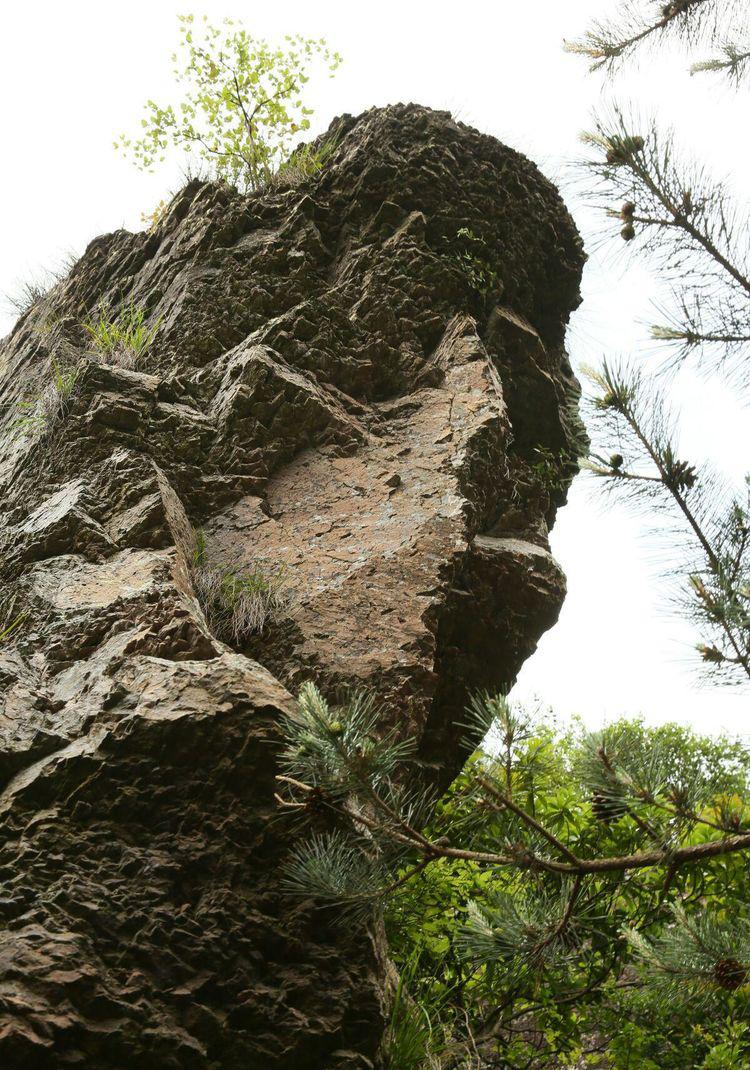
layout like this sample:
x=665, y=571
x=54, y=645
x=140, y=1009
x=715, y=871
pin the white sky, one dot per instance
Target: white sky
x=75, y=75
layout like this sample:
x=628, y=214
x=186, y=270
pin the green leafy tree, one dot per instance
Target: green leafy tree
x=242, y=105
x=567, y=882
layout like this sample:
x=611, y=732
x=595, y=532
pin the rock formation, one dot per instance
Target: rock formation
x=360, y=377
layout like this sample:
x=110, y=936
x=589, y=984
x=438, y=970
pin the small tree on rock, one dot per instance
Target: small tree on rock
x=242, y=104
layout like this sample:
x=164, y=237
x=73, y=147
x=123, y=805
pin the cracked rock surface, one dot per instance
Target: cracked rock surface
x=361, y=379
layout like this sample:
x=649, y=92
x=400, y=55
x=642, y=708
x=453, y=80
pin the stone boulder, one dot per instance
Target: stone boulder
x=359, y=378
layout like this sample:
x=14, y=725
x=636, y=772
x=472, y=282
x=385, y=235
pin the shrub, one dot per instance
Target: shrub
x=27, y=294
x=121, y=339
x=32, y=290
x=151, y=220
x=238, y=601
x=242, y=106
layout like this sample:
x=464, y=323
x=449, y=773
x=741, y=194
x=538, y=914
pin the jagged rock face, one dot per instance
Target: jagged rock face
x=343, y=382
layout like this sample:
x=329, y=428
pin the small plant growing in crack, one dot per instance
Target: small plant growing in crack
x=238, y=601
x=305, y=162
x=9, y=629
x=120, y=339
x=474, y=261
x=40, y=411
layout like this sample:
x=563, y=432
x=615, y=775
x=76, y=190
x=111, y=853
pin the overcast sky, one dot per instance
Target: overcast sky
x=75, y=75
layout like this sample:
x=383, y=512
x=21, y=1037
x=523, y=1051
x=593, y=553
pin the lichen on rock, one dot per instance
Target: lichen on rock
x=329, y=389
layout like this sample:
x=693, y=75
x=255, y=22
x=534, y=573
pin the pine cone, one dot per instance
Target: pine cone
x=627, y=211
x=674, y=8
x=315, y=803
x=683, y=476
x=730, y=974
x=605, y=808
x=628, y=232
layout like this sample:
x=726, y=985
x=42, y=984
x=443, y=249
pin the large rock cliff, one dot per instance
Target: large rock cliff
x=360, y=377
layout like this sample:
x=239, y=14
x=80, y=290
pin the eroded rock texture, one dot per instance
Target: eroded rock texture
x=362, y=377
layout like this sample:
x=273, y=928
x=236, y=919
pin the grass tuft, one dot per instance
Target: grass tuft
x=238, y=602
x=40, y=411
x=6, y=632
x=122, y=339
x=304, y=163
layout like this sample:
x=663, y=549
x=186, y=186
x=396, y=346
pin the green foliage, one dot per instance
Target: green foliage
x=42, y=410
x=337, y=750
x=474, y=260
x=8, y=630
x=122, y=338
x=561, y=887
x=694, y=955
x=305, y=162
x=242, y=104
x=340, y=872
x=238, y=601
x=417, y=1038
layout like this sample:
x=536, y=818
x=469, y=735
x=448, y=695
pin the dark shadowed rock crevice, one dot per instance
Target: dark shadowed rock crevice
x=331, y=388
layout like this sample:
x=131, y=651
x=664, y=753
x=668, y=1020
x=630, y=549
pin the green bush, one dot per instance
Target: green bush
x=473, y=259
x=242, y=105
x=567, y=883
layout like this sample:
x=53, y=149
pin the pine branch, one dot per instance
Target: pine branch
x=606, y=44
x=665, y=195
x=507, y=803
x=687, y=223
x=644, y=431
x=733, y=61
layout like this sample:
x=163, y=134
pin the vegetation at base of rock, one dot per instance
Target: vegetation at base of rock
x=121, y=338
x=565, y=879
x=238, y=601
x=43, y=409
x=242, y=105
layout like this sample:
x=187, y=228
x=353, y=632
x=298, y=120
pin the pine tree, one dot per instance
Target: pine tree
x=685, y=223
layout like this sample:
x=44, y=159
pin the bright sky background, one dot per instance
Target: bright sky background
x=76, y=74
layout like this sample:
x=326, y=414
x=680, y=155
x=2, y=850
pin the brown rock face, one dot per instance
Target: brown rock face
x=361, y=378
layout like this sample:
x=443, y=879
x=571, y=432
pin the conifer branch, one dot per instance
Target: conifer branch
x=606, y=43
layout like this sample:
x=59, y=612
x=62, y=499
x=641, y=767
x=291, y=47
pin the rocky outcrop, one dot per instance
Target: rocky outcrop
x=360, y=378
